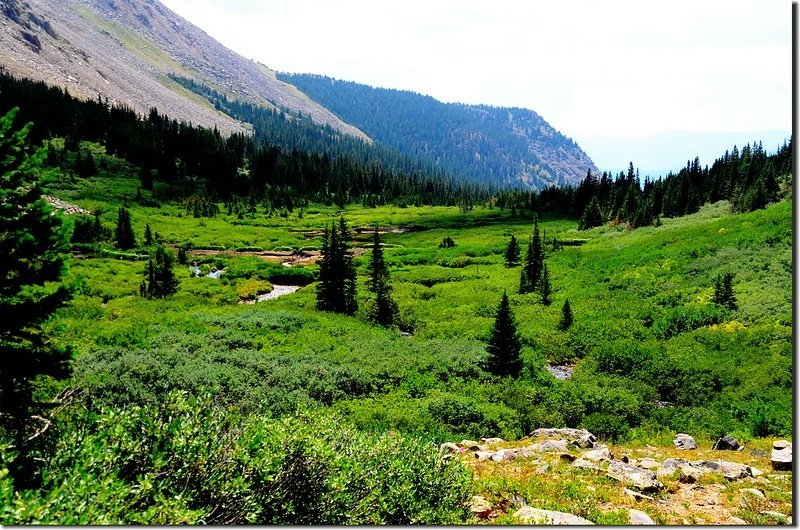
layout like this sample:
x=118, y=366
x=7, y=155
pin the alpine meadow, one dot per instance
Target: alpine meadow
x=287, y=299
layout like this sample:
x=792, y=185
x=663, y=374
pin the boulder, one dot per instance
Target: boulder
x=641, y=479
x=483, y=455
x=582, y=463
x=531, y=515
x=735, y=520
x=492, y=441
x=670, y=465
x=504, y=455
x=638, y=517
x=550, y=446
x=754, y=492
x=636, y=495
x=471, y=445
x=684, y=441
x=649, y=463
x=781, y=455
x=572, y=434
x=776, y=516
x=599, y=454
x=450, y=447
x=727, y=443
x=480, y=507
x=586, y=441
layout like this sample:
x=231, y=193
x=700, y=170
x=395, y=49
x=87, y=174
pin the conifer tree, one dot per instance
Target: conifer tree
x=148, y=235
x=336, y=290
x=545, y=287
x=384, y=311
x=182, y=259
x=32, y=242
x=504, y=346
x=531, y=274
x=512, y=254
x=350, y=304
x=124, y=233
x=566, y=316
x=591, y=215
x=159, y=278
x=723, y=291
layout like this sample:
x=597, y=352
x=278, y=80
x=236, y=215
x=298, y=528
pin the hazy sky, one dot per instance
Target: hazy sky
x=617, y=67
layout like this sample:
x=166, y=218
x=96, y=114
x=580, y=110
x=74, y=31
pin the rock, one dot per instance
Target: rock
x=755, y=473
x=566, y=457
x=483, y=455
x=530, y=515
x=636, y=495
x=734, y=471
x=504, y=455
x=591, y=459
x=636, y=477
x=649, y=463
x=471, y=445
x=480, y=507
x=638, y=517
x=492, y=441
x=450, y=447
x=582, y=463
x=670, y=466
x=684, y=441
x=587, y=441
x=753, y=491
x=573, y=434
x=547, y=446
x=781, y=455
x=736, y=520
x=776, y=516
x=727, y=443
x=758, y=452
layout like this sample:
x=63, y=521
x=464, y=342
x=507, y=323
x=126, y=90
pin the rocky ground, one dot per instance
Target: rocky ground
x=565, y=476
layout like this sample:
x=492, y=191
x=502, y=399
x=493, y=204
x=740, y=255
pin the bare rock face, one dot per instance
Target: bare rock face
x=684, y=441
x=781, y=455
x=531, y=515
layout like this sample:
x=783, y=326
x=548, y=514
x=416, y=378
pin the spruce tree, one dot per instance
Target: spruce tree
x=531, y=274
x=545, y=287
x=512, y=254
x=504, y=346
x=148, y=235
x=159, y=278
x=384, y=310
x=591, y=215
x=336, y=290
x=350, y=304
x=566, y=316
x=124, y=233
x=723, y=291
x=32, y=242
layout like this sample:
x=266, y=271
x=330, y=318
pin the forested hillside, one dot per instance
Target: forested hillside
x=506, y=146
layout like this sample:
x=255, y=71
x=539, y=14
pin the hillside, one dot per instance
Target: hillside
x=123, y=50
x=506, y=146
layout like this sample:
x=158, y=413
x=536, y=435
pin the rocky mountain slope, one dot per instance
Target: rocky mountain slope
x=507, y=146
x=123, y=50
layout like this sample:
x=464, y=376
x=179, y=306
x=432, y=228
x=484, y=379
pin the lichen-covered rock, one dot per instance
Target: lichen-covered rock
x=684, y=441
x=531, y=515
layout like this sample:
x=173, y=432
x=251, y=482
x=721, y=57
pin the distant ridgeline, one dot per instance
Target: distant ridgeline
x=510, y=147
x=291, y=161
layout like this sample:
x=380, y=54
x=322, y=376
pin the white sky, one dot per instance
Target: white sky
x=628, y=68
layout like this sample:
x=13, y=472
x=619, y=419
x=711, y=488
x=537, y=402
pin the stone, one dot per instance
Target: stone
x=638, y=517
x=572, y=434
x=492, y=441
x=727, y=443
x=480, y=507
x=649, y=463
x=776, y=516
x=566, y=457
x=531, y=515
x=684, y=441
x=471, y=445
x=640, y=479
x=587, y=441
x=736, y=520
x=591, y=459
x=582, y=463
x=781, y=455
x=755, y=472
x=734, y=471
x=670, y=466
x=636, y=495
x=483, y=455
x=753, y=491
x=504, y=455
x=450, y=447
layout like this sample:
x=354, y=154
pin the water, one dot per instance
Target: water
x=195, y=270
x=561, y=371
x=277, y=291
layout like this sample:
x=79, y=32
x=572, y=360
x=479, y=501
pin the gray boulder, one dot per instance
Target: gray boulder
x=684, y=441
x=727, y=443
x=638, y=517
x=640, y=479
x=531, y=515
x=781, y=455
x=573, y=434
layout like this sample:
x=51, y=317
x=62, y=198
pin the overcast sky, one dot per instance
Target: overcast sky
x=617, y=67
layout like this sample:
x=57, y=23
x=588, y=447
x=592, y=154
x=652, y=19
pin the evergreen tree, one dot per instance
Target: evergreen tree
x=512, y=254
x=182, y=256
x=32, y=241
x=159, y=278
x=148, y=235
x=384, y=311
x=545, y=287
x=531, y=274
x=504, y=346
x=566, y=316
x=124, y=232
x=723, y=291
x=591, y=215
x=336, y=290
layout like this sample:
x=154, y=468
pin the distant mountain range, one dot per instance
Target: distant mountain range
x=669, y=151
x=135, y=52
x=508, y=146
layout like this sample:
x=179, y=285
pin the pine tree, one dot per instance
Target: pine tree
x=384, y=311
x=182, y=259
x=545, y=287
x=591, y=215
x=504, y=346
x=159, y=278
x=531, y=274
x=32, y=245
x=336, y=290
x=566, y=316
x=512, y=254
x=124, y=233
x=350, y=304
x=723, y=291
x=148, y=235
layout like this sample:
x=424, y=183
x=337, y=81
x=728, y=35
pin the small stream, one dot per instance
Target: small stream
x=561, y=371
x=215, y=274
x=277, y=291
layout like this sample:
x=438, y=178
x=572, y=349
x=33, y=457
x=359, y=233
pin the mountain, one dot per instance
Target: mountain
x=669, y=151
x=124, y=50
x=506, y=146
